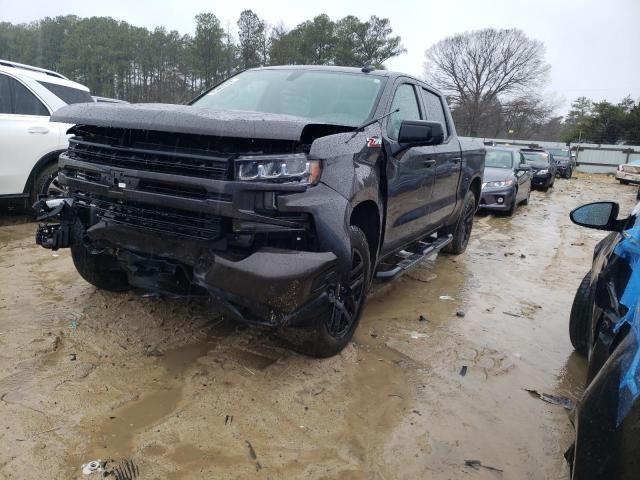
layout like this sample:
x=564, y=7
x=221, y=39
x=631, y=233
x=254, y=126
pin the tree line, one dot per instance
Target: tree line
x=494, y=80
x=116, y=59
x=603, y=122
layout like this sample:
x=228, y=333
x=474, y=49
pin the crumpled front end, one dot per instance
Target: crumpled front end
x=167, y=207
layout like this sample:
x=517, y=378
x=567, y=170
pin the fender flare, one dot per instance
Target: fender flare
x=40, y=165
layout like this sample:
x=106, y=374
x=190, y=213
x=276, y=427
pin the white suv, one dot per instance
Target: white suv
x=29, y=144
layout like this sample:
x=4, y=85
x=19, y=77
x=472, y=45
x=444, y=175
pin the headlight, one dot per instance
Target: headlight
x=284, y=168
x=542, y=172
x=501, y=183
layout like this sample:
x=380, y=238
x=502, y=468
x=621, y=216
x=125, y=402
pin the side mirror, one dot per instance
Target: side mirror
x=598, y=215
x=416, y=133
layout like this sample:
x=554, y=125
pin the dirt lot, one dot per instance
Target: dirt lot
x=185, y=394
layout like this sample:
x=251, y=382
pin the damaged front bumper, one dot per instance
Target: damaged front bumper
x=57, y=234
x=268, y=254
x=274, y=287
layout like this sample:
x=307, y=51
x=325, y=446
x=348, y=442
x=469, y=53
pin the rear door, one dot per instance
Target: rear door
x=448, y=162
x=409, y=173
x=25, y=134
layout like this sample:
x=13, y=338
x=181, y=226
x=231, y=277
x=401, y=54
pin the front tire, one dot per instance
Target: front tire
x=100, y=270
x=580, y=318
x=514, y=204
x=461, y=230
x=46, y=183
x=332, y=333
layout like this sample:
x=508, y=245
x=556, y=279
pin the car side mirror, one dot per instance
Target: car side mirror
x=416, y=133
x=597, y=215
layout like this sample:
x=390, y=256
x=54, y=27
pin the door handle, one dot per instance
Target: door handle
x=429, y=163
x=42, y=130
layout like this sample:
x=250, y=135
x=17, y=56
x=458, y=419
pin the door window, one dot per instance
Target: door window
x=17, y=99
x=5, y=95
x=435, y=110
x=404, y=99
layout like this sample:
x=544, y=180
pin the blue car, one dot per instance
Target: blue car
x=605, y=326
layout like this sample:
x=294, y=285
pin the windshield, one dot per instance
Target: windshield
x=327, y=97
x=498, y=159
x=559, y=152
x=536, y=157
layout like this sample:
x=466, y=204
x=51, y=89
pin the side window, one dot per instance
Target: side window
x=435, y=110
x=5, y=95
x=404, y=99
x=24, y=102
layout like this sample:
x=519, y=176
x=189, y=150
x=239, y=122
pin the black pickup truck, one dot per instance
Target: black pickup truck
x=281, y=193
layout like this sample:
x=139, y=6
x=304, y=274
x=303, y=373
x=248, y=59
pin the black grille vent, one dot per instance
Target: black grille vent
x=167, y=160
x=200, y=226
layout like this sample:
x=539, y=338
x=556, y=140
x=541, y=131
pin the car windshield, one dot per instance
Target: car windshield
x=498, y=159
x=559, y=153
x=536, y=157
x=328, y=97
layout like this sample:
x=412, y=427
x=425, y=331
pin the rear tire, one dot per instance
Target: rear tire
x=623, y=182
x=331, y=334
x=100, y=270
x=580, y=318
x=461, y=230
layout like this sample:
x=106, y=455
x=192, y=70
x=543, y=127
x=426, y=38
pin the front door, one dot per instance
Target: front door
x=410, y=175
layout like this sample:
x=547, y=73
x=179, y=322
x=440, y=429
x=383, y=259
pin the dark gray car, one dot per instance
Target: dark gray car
x=507, y=181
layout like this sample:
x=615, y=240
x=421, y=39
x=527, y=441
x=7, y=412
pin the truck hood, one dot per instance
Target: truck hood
x=494, y=174
x=198, y=121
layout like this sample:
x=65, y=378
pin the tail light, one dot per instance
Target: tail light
x=620, y=168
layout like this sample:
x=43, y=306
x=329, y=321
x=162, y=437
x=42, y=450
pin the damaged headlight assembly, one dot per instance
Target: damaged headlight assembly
x=282, y=169
x=542, y=172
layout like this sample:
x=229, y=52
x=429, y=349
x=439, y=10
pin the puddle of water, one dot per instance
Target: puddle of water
x=187, y=453
x=114, y=437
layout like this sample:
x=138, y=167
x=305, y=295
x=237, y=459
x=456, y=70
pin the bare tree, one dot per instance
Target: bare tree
x=476, y=69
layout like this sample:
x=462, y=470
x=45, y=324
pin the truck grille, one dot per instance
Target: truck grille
x=156, y=159
x=178, y=222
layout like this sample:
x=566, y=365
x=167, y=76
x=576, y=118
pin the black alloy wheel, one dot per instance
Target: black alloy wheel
x=467, y=222
x=347, y=299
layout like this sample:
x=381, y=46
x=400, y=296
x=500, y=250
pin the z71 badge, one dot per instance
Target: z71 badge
x=374, y=142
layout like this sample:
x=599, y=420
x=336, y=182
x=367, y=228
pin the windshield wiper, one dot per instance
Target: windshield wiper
x=364, y=125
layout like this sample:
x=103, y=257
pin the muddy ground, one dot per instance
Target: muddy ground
x=183, y=393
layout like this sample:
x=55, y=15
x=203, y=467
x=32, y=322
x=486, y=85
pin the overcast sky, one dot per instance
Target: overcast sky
x=592, y=45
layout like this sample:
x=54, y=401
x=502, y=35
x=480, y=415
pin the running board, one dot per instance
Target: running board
x=406, y=260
